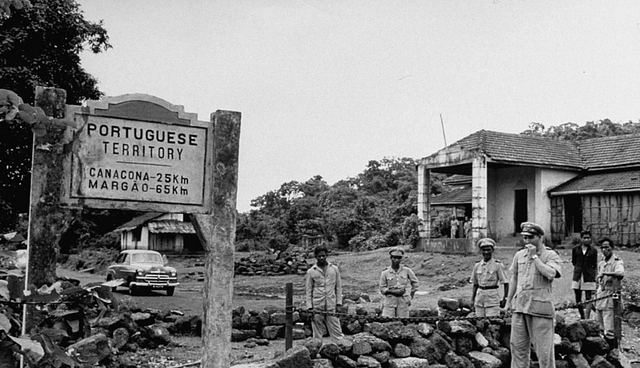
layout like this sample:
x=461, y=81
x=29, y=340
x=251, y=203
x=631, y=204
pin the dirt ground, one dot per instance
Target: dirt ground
x=440, y=275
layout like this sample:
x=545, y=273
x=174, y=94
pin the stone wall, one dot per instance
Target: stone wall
x=425, y=340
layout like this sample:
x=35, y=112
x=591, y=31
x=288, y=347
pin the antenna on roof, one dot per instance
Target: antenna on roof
x=443, y=134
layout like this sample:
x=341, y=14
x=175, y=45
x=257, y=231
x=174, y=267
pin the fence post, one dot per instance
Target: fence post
x=288, y=329
x=617, y=311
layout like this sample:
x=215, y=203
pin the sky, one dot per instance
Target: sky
x=325, y=86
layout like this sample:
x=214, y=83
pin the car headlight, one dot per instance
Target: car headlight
x=140, y=272
x=174, y=274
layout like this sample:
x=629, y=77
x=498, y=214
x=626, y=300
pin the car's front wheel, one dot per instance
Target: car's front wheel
x=170, y=291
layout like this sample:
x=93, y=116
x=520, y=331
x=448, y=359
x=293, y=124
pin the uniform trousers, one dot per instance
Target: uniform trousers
x=401, y=309
x=321, y=324
x=488, y=311
x=527, y=329
x=605, y=319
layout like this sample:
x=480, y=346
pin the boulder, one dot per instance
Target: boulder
x=313, y=345
x=272, y=332
x=592, y=346
x=401, y=351
x=578, y=360
x=463, y=327
x=575, y=332
x=120, y=337
x=321, y=363
x=329, y=351
x=278, y=318
x=425, y=329
x=449, y=304
x=143, y=319
x=345, y=361
x=410, y=362
x=158, y=334
x=481, y=341
x=368, y=362
x=379, y=330
x=484, y=360
x=296, y=357
x=353, y=327
x=463, y=345
x=90, y=350
x=382, y=356
x=432, y=349
x=601, y=362
x=453, y=360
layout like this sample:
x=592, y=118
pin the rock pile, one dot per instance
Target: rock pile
x=472, y=343
x=272, y=264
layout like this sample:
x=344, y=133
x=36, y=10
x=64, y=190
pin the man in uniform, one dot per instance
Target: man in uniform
x=532, y=273
x=324, y=293
x=609, y=269
x=584, y=258
x=487, y=276
x=398, y=284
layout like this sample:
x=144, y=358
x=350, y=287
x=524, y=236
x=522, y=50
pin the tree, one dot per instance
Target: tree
x=574, y=132
x=40, y=44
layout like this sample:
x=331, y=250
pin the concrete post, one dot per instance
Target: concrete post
x=424, y=202
x=47, y=220
x=217, y=233
x=479, y=197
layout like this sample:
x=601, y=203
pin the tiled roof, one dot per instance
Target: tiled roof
x=589, y=154
x=610, y=152
x=140, y=220
x=460, y=195
x=523, y=149
x=171, y=227
x=601, y=182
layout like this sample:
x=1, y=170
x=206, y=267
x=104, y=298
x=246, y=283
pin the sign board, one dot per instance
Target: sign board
x=138, y=152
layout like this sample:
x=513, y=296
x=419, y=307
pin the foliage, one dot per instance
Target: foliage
x=575, y=132
x=40, y=44
x=364, y=212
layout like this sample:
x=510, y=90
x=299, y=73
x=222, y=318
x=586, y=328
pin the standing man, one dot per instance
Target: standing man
x=609, y=269
x=324, y=293
x=584, y=258
x=532, y=273
x=454, y=227
x=398, y=284
x=487, y=276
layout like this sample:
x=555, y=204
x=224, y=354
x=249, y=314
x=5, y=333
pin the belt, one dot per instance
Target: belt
x=487, y=287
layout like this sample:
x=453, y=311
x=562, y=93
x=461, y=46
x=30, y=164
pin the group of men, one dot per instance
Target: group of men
x=527, y=294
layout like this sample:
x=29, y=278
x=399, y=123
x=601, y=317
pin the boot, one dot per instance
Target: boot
x=581, y=310
x=613, y=343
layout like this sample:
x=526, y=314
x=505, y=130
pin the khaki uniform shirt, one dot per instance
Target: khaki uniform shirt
x=605, y=287
x=323, y=289
x=534, y=286
x=488, y=274
x=403, y=278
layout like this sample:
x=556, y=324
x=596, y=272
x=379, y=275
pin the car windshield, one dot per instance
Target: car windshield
x=146, y=258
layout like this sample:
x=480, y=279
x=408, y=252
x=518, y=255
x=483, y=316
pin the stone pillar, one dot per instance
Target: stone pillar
x=479, y=197
x=217, y=233
x=47, y=220
x=424, y=201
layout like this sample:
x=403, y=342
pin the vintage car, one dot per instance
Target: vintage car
x=143, y=269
